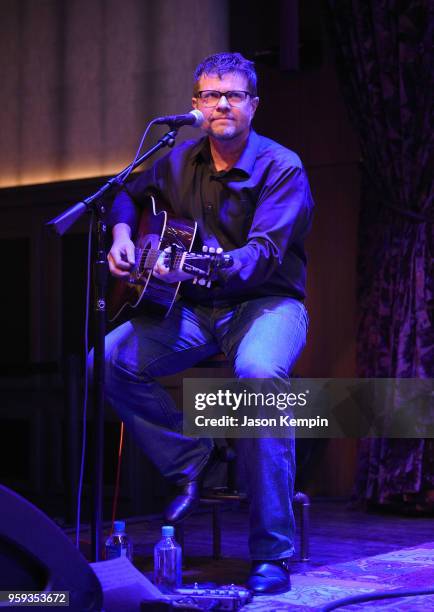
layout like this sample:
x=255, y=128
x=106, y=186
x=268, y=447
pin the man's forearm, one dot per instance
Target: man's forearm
x=121, y=231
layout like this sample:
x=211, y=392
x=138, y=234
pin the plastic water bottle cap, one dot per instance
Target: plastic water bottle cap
x=167, y=531
x=118, y=526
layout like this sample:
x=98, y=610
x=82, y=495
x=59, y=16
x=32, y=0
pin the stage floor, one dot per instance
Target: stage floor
x=351, y=552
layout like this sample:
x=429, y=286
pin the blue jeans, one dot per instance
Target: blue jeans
x=262, y=338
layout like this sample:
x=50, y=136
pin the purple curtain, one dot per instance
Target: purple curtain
x=385, y=61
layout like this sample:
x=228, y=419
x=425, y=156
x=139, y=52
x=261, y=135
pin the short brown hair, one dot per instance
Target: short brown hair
x=222, y=63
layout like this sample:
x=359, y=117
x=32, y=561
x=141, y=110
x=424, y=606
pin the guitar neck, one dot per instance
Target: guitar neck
x=199, y=265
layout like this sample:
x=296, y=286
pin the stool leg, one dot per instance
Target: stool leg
x=216, y=533
x=304, y=501
x=232, y=476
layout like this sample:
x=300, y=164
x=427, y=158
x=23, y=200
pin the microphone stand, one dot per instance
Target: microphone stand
x=60, y=225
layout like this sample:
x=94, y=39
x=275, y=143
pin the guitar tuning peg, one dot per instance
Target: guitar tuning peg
x=195, y=280
x=208, y=284
x=219, y=251
x=211, y=249
x=204, y=249
x=202, y=281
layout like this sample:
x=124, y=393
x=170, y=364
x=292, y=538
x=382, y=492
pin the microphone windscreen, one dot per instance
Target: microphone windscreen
x=199, y=117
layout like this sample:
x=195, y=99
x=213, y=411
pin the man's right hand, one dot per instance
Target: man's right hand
x=121, y=257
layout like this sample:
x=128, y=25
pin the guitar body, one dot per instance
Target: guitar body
x=158, y=229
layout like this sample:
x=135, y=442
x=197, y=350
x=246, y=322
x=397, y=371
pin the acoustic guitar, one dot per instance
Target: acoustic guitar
x=159, y=229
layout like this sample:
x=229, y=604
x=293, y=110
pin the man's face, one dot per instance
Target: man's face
x=226, y=122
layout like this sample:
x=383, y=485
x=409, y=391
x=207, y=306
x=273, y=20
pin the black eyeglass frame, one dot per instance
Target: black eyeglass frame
x=223, y=93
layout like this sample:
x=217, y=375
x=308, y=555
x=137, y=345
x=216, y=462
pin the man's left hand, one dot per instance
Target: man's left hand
x=164, y=273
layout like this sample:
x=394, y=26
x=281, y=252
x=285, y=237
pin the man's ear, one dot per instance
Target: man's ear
x=194, y=102
x=254, y=103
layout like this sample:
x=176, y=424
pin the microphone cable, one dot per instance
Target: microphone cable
x=86, y=382
x=130, y=168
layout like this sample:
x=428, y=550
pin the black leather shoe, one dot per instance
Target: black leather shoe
x=188, y=497
x=184, y=503
x=269, y=577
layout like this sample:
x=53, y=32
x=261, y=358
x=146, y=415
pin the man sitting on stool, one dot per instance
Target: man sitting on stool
x=251, y=197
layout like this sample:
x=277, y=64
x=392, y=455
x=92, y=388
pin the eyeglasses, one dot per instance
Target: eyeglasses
x=211, y=97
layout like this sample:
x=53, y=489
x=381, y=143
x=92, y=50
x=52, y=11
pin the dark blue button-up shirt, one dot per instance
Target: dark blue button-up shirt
x=259, y=212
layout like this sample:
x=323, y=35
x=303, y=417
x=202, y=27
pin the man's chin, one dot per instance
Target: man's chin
x=226, y=133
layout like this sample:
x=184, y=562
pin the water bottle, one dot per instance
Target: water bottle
x=167, y=561
x=118, y=544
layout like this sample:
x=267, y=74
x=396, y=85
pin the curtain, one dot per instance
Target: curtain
x=385, y=62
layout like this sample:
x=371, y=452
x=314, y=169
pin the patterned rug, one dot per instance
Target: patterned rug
x=409, y=568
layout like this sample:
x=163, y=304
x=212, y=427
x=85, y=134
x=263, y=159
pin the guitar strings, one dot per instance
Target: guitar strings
x=149, y=256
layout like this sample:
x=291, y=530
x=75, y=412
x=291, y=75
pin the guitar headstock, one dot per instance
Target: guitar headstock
x=203, y=265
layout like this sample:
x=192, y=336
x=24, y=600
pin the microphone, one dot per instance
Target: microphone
x=193, y=118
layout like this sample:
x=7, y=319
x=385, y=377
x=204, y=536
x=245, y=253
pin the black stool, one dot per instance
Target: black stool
x=219, y=501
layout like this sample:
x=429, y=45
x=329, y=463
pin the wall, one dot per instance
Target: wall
x=81, y=79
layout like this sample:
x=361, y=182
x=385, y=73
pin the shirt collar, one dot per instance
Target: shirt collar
x=246, y=160
x=248, y=157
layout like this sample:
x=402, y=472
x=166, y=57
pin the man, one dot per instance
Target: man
x=251, y=197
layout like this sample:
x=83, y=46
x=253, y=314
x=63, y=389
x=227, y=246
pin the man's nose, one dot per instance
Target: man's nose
x=223, y=103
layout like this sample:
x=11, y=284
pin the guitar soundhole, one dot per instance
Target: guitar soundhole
x=146, y=256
